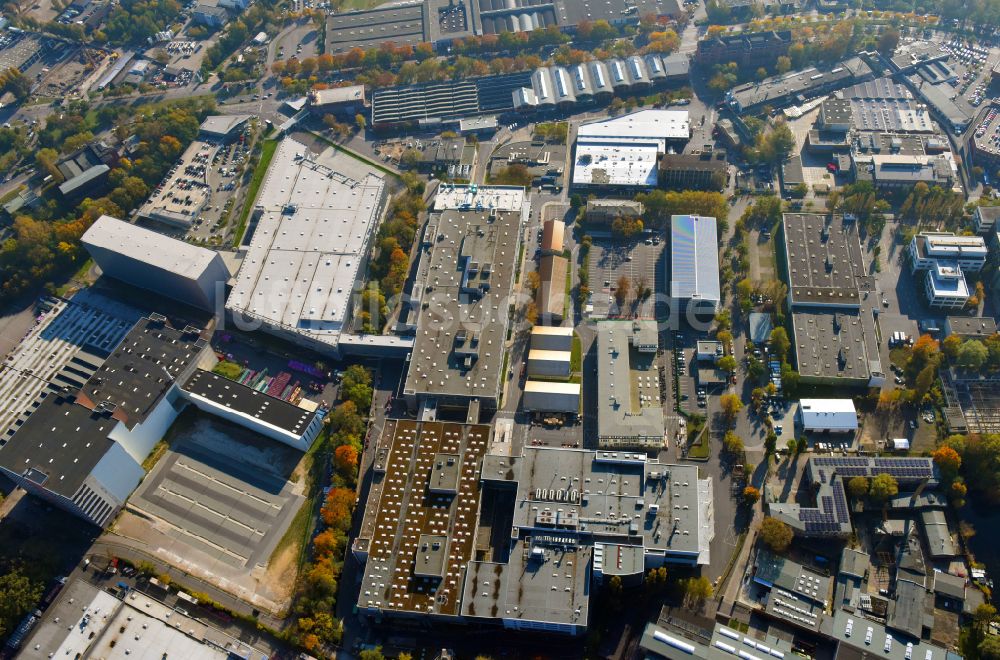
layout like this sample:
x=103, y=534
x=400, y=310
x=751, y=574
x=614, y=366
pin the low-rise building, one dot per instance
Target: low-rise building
x=694, y=264
x=609, y=210
x=970, y=327
x=629, y=409
x=223, y=127
x=552, y=338
x=547, y=396
x=693, y=171
x=902, y=172
x=944, y=258
x=552, y=237
x=828, y=416
x=984, y=219
x=338, y=101
x=551, y=364
x=551, y=300
x=211, y=15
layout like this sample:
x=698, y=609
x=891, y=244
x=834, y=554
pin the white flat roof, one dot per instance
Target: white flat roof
x=549, y=387
x=828, y=413
x=308, y=245
x=148, y=246
x=458, y=197
x=222, y=124
x=611, y=163
x=657, y=124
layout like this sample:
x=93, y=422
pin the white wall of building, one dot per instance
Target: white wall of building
x=248, y=421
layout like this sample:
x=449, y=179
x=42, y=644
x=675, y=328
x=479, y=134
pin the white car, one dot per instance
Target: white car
x=868, y=635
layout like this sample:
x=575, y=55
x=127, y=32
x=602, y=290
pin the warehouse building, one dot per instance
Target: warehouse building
x=552, y=236
x=552, y=338
x=148, y=260
x=629, y=409
x=435, y=104
x=551, y=300
x=828, y=416
x=549, y=397
x=694, y=264
x=833, y=325
x=622, y=153
x=466, y=273
x=548, y=364
x=312, y=227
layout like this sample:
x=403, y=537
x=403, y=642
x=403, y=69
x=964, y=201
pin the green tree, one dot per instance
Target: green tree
x=18, y=594
x=371, y=654
x=972, y=355
x=697, y=590
x=783, y=65
x=732, y=443
x=883, y=486
x=360, y=122
x=751, y=495
x=776, y=534
x=731, y=406
x=780, y=342
x=726, y=363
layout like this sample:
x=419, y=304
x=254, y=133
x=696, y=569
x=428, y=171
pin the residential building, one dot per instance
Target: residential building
x=749, y=50
x=148, y=260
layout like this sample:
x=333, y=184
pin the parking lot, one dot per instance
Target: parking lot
x=220, y=495
x=640, y=262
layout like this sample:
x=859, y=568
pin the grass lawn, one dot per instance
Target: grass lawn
x=700, y=449
x=576, y=355
x=301, y=527
x=266, y=154
x=898, y=356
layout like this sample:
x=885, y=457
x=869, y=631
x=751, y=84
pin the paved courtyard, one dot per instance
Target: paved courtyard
x=223, y=492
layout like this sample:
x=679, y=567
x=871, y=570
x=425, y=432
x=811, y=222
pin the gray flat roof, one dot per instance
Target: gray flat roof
x=464, y=279
x=149, y=247
x=401, y=24
x=141, y=369
x=694, y=258
x=615, y=496
x=972, y=326
x=309, y=244
x=222, y=125
x=823, y=259
x=59, y=444
x=71, y=185
x=830, y=344
x=248, y=401
x=783, y=88
x=623, y=375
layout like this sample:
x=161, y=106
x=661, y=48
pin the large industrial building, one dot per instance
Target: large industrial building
x=629, y=408
x=832, y=301
x=456, y=533
x=694, y=264
x=440, y=22
x=82, y=449
x=544, y=89
x=81, y=445
x=312, y=227
x=143, y=258
x=464, y=279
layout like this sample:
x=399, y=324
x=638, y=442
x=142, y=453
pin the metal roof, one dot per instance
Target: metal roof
x=694, y=263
